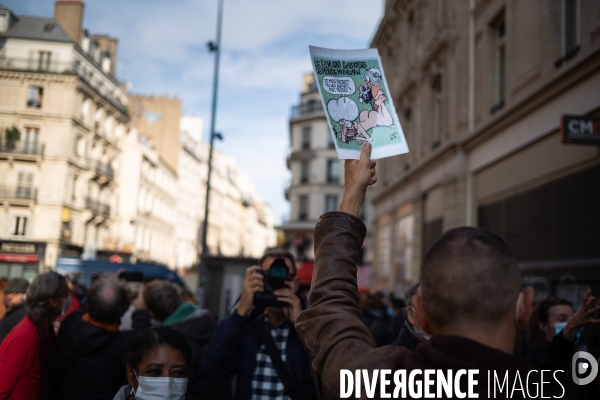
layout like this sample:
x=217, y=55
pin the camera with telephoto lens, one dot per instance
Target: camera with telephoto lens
x=274, y=278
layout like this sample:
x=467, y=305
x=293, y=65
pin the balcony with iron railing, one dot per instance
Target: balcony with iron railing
x=18, y=193
x=306, y=108
x=97, y=207
x=61, y=67
x=102, y=169
x=16, y=149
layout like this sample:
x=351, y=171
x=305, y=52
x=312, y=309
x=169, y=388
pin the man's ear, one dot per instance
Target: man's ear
x=525, y=307
x=417, y=302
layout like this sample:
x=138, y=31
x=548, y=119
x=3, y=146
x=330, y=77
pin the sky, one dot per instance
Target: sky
x=162, y=50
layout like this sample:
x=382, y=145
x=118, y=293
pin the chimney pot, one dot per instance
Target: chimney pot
x=69, y=13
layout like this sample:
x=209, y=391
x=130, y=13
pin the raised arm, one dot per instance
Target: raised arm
x=331, y=329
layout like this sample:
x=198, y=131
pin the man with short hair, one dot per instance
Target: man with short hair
x=470, y=301
x=410, y=332
x=14, y=301
x=88, y=362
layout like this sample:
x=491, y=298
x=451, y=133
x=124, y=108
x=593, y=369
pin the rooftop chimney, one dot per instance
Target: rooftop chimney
x=108, y=45
x=69, y=13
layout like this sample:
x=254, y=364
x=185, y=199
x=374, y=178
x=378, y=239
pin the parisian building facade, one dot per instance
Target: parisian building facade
x=480, y=88
x=62, y=113
x=90, y=171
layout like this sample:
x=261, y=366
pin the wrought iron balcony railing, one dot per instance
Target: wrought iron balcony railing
x=34, y=149
x=18, y=192
x=97, y=207
x=105, y=169
x=306, y=108
x=61, y=67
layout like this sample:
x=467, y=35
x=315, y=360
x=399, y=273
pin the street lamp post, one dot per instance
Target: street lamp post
x=213, y=47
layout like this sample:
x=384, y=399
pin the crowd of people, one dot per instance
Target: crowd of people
x=469, y=311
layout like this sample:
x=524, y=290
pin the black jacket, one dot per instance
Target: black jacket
x=406, y=338
x=13, y=316
x=232, y=350
x=89, y=362
x=197, y=329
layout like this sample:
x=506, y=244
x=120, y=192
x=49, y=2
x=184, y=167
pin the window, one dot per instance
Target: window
x=570, y=31
x=74, y=190
x=25, y=185
x=384, y=236
x=304, y=172
x=3, y=22
x=331, y=202
x=549, y=222
x=303, y=214
x=438, y=112
x=30, y=140
x=333, y=171
x=404, y=246
x=35, y=95
x=306, y=138
x=19, y=227
x=44, y=61
x=500, y=74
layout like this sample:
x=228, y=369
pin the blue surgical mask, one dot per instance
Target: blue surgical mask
x=558, y=327
x=390, y=313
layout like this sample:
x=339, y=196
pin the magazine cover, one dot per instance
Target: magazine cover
x=357, y=102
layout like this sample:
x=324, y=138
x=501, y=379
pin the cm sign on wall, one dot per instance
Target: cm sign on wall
x=583, y=130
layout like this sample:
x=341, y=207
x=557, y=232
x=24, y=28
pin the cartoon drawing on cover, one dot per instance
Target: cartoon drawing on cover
x=345, y=111
x=356, y=100
x=371, y=87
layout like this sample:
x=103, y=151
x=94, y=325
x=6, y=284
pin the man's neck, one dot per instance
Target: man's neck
x=501, y=338
x=276, y=318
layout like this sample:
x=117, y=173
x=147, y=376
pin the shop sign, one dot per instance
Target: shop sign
x=18, y=258
x=582, y=130
x=12, y=247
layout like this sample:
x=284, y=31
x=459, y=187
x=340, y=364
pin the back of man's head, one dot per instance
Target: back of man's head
x=469, y=275
x=107, y=300
x=162, y=298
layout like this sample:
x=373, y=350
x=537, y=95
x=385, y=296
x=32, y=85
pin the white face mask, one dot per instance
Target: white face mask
x=160, y=388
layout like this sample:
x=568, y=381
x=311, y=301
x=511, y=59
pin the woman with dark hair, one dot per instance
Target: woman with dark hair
x=26, y=353
x=548, y=316
x=553, y=330
x=157, y=365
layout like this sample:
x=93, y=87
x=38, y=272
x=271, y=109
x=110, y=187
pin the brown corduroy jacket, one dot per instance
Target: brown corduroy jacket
x=331, y=329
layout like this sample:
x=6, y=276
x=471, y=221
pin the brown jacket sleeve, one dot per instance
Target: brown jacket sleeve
x=331, y=329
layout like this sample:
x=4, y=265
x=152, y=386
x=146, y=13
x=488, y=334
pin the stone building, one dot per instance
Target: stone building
x=191, y=191
x=480, y=88
x=62, y=112
x=240, y=222
x=317, y=182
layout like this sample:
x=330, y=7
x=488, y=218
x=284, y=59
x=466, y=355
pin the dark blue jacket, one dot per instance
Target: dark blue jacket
x=232, y=350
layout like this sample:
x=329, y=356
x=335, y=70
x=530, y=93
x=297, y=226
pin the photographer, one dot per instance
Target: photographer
x=259, y=342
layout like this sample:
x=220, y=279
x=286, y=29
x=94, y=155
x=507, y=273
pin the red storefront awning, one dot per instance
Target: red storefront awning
x=18, y=258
